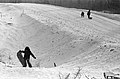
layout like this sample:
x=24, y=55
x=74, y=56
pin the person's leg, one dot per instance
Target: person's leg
x=88, y=16
x=25, y=64
x=29, y=64
x=81, y=15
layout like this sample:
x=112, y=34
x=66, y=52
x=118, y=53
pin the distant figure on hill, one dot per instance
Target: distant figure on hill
x=26, y=57
x=110, y=75
x=55, y=65
x=82, y=14
x=89, y=13
x=104, y=75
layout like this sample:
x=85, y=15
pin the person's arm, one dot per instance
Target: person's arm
x=22, y=51
x=32, y=55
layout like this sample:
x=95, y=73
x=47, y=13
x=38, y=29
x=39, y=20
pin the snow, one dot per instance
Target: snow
x=12, y=72
x=57, y=35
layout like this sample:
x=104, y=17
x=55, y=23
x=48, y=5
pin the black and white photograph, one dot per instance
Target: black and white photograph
x=59, y=39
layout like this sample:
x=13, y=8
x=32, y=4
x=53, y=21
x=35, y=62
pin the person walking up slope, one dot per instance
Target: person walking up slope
x=27, y=54
x=82, y=14
x=89, y=13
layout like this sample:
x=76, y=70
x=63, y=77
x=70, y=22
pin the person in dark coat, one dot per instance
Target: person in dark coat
x=82, y=14
x=55, y=65
x=88, y=13
x=27, y=54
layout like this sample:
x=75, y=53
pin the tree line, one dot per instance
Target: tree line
x=109, y=5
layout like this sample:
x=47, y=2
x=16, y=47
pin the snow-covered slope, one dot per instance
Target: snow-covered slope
x=60, y=35
x=10, y=72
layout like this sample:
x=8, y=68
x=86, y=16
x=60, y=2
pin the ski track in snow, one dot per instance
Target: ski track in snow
x=57, y=34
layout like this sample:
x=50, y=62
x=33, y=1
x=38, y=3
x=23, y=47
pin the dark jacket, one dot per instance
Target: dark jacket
x=27, y=54
x=88, y=13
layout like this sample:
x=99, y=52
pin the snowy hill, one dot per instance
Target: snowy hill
x=60, y=35
x=9, y=72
